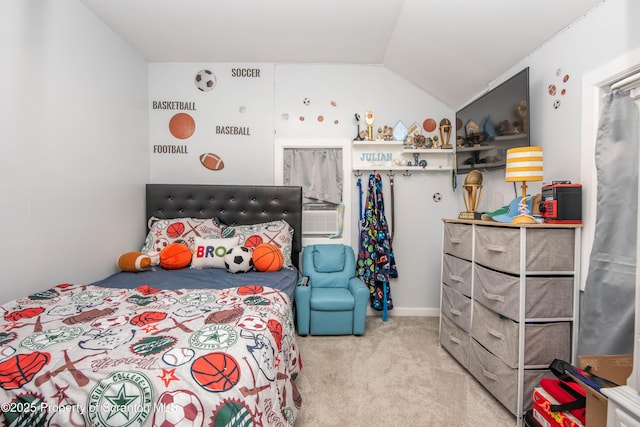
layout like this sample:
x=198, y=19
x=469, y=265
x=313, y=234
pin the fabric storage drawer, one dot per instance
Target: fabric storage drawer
x=502, y=380
x=543, y=341
x=456, y=307
x=457, y=240
x=547, y=249
x=455, y=340
x=456, y=273
x=550, y=249
x=546, y=297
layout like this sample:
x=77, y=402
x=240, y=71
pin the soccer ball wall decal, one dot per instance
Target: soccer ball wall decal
x=238, y=259
x=205, y=80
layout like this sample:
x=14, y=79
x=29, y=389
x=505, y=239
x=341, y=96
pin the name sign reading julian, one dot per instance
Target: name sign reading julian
x=376, y=157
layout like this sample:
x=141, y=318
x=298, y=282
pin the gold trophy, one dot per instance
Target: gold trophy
x=472, y=195
x=445, y=133
x=368, y=118
x=522, y=113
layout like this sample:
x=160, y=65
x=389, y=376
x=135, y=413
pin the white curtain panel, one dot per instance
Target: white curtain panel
x=317, y=170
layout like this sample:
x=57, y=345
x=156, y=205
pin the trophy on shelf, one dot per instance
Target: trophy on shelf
x=472, y=195
x=445, y=133
x=522, y=113
x=368, y=118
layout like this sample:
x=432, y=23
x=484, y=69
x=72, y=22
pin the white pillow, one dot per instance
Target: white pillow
x=163, y=232
x=278, y=233
x=209, y=253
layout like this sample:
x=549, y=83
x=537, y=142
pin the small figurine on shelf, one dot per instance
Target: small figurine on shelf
x=380, y=133
x=358, y=136
x=387, y=133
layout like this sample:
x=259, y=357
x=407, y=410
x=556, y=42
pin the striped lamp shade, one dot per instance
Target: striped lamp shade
x=524, y=164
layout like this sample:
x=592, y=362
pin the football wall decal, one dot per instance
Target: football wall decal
x=211, y=161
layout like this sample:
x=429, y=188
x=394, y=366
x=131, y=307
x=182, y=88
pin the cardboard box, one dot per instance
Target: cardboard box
x=616, y=368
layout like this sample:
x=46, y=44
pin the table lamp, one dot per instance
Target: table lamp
x=524, y=164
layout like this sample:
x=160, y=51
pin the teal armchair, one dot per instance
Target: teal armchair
x=333, y=301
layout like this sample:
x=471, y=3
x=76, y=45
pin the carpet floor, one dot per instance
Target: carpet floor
x=395, y=375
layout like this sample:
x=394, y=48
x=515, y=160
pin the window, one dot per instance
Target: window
x=320, y=168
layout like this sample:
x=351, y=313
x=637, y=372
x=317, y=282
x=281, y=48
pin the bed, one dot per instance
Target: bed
x=163, y=348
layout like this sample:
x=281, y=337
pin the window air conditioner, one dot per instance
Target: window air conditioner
x=320, y=221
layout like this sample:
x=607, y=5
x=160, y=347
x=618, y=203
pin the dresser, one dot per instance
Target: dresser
x=509, y=303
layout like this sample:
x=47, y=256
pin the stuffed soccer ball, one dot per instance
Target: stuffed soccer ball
x=205, y=80
x=238, y=259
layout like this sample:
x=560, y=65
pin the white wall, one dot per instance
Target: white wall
x=604, y=34
x=73, y=146
x=75, y=137
x=239, y=99
x=337, y=92
x=274, y=107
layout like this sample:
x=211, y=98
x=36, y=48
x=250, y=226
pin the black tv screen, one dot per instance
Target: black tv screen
x=493, y=123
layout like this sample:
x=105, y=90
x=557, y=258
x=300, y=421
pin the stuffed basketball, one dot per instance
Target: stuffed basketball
x=175, y=256
x=238, y=260
x=267, y=257
x=134, y=262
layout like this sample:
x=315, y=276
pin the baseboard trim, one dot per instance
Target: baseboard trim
x=407, y=311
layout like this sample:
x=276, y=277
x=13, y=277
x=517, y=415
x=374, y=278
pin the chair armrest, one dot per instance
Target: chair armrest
x=361, y=295
x=303, y=308
x=358, y=289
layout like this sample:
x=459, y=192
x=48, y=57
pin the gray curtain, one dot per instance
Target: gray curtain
x=608, y=302
x=317, y=170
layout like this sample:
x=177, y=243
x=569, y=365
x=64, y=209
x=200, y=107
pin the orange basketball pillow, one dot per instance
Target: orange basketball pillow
x=175, y=256
x=267, y=257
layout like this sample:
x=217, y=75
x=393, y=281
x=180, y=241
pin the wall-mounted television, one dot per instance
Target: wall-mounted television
x=493, y=123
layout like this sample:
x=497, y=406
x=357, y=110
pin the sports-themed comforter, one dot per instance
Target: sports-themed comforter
x=95, y=356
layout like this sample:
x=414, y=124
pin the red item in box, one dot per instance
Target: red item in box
x=542, y=413
x=567, y=392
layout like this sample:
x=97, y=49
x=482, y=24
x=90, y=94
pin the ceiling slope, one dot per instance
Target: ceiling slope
x=452, y=49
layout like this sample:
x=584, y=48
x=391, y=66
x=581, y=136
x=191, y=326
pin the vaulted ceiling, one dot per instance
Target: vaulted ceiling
x=452, y=49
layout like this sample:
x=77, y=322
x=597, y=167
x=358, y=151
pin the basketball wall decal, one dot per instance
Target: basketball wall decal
x=182, y=125
x=429, y=125
x=211, y=161
x=267, y=257
x=216, y=372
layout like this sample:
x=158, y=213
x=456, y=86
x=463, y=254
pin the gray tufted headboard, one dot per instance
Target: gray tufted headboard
x=233, y=204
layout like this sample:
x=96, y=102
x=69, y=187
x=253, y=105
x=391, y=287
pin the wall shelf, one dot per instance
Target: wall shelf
x=391, y=155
